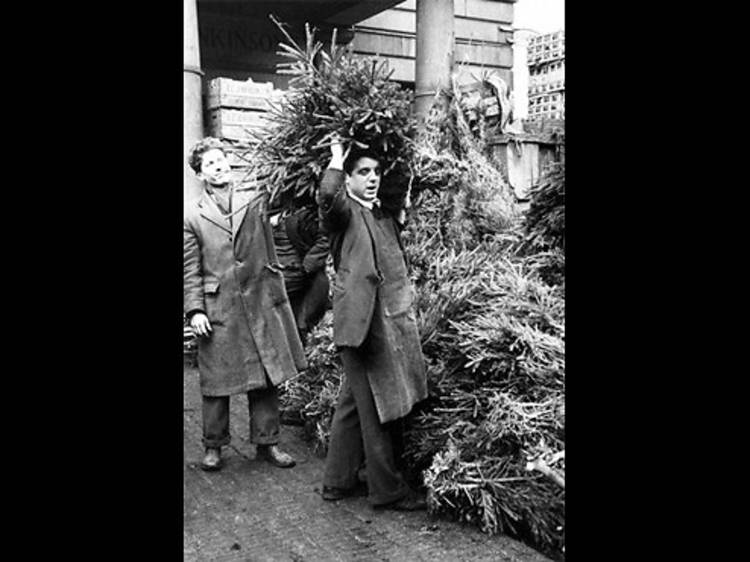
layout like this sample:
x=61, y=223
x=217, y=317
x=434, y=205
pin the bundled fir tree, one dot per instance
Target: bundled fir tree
x=545, y=221
x=332, y=92
x=310, y=398
x=544, y=225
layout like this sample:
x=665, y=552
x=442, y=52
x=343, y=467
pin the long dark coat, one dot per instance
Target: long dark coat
x=232, y=274
x=371, y=278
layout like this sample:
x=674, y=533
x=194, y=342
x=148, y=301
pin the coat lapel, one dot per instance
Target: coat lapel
x=242, y=200
x=210, y=212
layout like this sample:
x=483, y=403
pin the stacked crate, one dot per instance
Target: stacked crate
x=478, y=98
x=546, y=61
x=235, y=108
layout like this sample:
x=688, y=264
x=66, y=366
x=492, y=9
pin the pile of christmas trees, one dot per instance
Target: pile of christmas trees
x=488, y=443
x=493, y=333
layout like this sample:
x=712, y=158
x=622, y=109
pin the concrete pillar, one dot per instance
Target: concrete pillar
x=192, y=104
x=435, y=46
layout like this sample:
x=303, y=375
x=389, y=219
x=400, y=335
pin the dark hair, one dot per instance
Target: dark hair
x=195, y=156
x=354, y=157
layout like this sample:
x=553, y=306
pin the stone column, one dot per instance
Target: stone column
x=192, y=84
x=435, y=46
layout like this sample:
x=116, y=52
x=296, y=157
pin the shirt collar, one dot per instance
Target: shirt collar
x=367, y=204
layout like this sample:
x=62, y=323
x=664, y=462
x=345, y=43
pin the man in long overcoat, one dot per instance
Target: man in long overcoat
x=374, y=327
x=237, y=305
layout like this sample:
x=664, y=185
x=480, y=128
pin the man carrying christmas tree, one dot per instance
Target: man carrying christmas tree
x=375, y=330
x=237, y=306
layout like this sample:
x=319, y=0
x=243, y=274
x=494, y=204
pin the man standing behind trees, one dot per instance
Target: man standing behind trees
x=237, y=305
x=302, y=248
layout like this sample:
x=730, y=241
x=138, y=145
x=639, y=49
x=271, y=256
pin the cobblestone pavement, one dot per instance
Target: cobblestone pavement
x=253, y=511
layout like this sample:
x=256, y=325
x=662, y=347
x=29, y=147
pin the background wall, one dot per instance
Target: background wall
x=482, y=29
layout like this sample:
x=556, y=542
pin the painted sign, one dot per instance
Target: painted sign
x=244, y=43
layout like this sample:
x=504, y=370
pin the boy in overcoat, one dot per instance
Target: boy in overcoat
x=237, y=305
x=375, y=330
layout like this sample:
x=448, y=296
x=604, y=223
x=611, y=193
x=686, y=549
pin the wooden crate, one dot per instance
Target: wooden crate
x=233, y=123
x=490, y=106
x=219, y=87
x=228, y=93
x=238, y=101
x=235, y=132
x=479, y=97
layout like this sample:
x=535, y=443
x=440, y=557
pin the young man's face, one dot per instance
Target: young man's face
x=364, y=180
x=214, y=167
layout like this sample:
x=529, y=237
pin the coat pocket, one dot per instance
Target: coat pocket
x=210, y=287
x=398, y=298
x=213, y=303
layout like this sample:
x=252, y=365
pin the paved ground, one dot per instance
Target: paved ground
x=253, y=511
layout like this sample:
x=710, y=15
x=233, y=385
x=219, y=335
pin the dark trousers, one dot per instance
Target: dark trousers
x=309, y=303
x=263, y=405
x=357, y=435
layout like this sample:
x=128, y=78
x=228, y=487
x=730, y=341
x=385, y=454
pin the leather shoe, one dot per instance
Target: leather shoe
x=331, y=493
x=212, y=459
x=412, y=501
x=275, y=456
